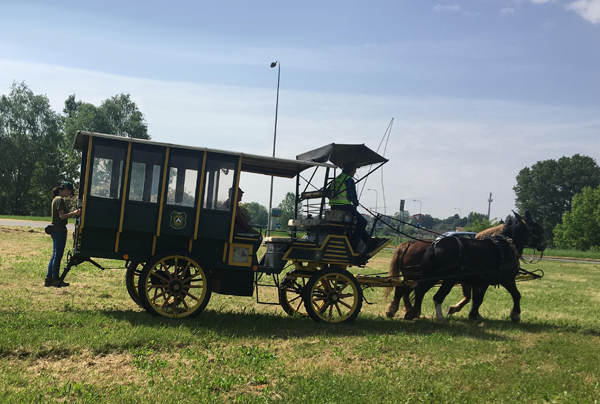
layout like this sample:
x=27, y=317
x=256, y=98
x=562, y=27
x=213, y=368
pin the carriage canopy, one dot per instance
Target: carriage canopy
x=340, y=154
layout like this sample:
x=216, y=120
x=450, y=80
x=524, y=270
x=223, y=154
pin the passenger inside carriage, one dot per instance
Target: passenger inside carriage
x=240, y=225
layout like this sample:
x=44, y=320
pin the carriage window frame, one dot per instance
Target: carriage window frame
x=111, y=157
x=217, y=191
x=140, y=174
x=182, y=189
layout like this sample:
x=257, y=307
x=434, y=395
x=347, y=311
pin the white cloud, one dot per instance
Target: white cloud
x=508, y=10
x=440, y=7
x=588, y=9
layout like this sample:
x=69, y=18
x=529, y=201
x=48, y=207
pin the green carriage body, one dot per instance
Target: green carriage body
x=143, y=201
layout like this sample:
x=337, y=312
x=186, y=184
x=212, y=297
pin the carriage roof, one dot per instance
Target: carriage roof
x=340, y=154
x=252, y=163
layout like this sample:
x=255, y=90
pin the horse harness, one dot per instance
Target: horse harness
x=507, y=261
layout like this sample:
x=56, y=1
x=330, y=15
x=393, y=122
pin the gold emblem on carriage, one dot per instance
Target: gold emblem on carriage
x=178, y=220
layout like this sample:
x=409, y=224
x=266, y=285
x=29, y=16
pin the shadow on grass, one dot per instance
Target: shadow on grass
x=253, y=324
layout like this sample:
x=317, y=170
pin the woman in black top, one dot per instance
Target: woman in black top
x=60, y=218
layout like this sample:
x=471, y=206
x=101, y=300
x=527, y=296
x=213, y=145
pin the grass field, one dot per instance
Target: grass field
x=90, y=343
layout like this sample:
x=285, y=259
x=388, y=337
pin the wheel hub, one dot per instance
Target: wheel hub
x=333, y=297
x=175, y=286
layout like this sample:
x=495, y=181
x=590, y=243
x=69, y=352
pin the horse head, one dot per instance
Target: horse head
x=526, y=232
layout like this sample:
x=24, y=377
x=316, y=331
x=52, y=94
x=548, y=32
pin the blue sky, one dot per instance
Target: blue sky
x=477, y=89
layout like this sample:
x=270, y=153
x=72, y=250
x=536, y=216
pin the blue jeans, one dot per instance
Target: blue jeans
x=59, y=241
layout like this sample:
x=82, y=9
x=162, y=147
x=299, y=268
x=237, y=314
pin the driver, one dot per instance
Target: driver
x=344, y=198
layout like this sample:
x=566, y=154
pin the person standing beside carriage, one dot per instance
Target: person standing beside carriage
x=60, y=218
x=344, y=198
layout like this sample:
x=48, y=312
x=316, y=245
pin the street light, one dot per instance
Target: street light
x=418, y=224
x=459, y=212
x=420, y=204
x=278, y=64
x=376, y=197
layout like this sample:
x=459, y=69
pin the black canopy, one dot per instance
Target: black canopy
x=340, y=154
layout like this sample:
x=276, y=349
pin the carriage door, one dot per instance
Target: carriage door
x=182, y=188
x=140, y=218
x=217, y=204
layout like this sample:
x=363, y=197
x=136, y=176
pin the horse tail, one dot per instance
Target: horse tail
x=396, y=265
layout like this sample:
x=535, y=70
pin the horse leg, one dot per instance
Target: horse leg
x=406, y=299
x=511, y=286
x=439, y=297
x=478, y=294
x=466, y=299
x=420, y=290
x=394, y=305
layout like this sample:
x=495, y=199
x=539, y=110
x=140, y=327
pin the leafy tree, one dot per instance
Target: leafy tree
x=124, y=117
x=30, y=159
x=580, y=228
x=481, y=223
x=548, y=187
x=287, y=210
x=117, y=115
x=258, y=214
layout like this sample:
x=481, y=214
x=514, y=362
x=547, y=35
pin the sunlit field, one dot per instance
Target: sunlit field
x=90, y=342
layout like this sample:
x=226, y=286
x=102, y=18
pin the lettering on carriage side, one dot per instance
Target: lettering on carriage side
x=178, y=220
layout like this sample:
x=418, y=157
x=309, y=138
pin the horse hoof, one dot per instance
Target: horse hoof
x=515, y=318
x=451, y=310
x=389, y=314
x=409, y=316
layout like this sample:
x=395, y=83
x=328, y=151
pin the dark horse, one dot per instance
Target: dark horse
x=479, y=264
x=407, y=260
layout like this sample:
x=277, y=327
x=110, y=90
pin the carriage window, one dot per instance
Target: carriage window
x=219, y=180
x=183, y=176
x=145, y=176
x=106, y=172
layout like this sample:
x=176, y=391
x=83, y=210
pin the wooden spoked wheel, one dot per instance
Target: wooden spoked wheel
x=333, y=295
x=291, y=292
x=174, y=286
x=132, y=277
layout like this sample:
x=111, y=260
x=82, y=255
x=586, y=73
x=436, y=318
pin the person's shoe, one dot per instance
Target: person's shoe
x=59, y=283
x=47, y=282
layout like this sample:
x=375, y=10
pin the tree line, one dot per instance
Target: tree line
x=36, y=154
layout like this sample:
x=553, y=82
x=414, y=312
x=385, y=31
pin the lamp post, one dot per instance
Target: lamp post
x=376, y=197
x=420, y=204
x=278, y=64
x=459, y=212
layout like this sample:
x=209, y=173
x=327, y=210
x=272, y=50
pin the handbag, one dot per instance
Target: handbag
x=48, y=229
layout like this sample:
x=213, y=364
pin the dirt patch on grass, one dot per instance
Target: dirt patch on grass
x=87, y=368
x=23, y=241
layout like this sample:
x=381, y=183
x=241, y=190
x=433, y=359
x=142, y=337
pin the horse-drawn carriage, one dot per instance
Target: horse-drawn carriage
x=164, y=209
x=168, y=212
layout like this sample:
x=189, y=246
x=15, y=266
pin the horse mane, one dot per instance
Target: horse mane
x=492, y=231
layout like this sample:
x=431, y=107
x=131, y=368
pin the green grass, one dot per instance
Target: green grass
x=90, y=343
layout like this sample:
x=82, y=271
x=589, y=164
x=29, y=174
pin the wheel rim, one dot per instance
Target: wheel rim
x=334, y=297
x=176, y=286
x=290, y=296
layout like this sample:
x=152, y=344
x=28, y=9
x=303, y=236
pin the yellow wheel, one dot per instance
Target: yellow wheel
x=333, y=295
x=291, y=290
x=174, y=286
x=132, y=277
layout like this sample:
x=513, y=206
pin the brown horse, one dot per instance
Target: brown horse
x=407, y=260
